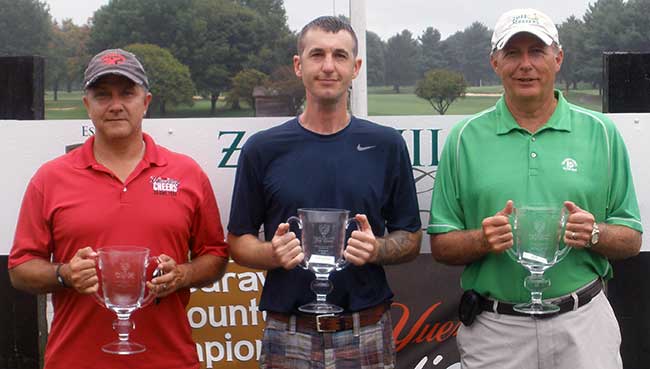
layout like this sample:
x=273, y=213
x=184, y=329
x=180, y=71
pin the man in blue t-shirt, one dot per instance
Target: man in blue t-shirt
x=326, y=158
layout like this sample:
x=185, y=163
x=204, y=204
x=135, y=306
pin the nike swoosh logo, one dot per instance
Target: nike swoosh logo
x=364, y=148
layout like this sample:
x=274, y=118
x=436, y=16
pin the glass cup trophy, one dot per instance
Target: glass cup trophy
x=322, y=240
x=122, y=276
x=538, y=245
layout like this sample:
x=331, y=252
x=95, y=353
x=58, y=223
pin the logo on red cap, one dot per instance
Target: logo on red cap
x=113, y=58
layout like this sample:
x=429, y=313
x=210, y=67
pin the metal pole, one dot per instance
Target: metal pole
x=359, y=97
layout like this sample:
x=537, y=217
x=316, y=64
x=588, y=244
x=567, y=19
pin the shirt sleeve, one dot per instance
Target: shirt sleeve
x=622, y=207
x=403, y=211
x=247, y=205
x=33, y=237
x=207, y=231
x=446, y=212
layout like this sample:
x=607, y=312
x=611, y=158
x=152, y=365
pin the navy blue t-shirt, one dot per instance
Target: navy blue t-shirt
x=364, y=168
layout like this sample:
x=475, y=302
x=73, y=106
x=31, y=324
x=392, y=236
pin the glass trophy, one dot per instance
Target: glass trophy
x=322, y=240
x=538, y=245
x=122, y=279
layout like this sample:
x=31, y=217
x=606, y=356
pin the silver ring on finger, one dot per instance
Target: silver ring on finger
x=573, y=235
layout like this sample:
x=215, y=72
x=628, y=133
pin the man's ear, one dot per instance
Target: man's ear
x=147, y=101
x=297, y=66
x=493, y=62
x=357, y=67
x=559, y=58
x=84, y=99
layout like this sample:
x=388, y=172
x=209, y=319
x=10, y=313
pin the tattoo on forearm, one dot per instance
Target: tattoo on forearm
x=399, y=247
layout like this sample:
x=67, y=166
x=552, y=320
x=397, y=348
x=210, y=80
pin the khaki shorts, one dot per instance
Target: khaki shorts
x=586, y=338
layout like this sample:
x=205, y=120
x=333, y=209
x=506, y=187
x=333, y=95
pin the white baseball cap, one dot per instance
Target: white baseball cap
x=524, y=20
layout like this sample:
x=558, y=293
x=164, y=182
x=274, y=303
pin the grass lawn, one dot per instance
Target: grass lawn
x=381, y=101
x=494, y=89
x=201, y=109
x=589, y=99
x=70, y=106
x=409, y=104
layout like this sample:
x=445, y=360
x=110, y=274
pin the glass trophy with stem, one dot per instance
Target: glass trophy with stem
x=322, y=240
x=122, y=279
x=538, y=245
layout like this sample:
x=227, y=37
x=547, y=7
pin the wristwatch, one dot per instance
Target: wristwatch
x=59, y=277
x=595, y=236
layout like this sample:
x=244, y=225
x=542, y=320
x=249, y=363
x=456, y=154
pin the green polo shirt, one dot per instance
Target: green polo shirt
x=488, y=159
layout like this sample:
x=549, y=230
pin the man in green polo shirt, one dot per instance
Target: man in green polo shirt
x=534, y=148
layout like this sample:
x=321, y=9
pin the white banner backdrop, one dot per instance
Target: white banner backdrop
x=215, y=145
x=227, y=324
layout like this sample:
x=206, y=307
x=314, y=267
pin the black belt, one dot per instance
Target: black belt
x=566, y=303
x=333, y=322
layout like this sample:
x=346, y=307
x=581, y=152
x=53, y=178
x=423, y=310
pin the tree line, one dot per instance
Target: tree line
x=607, y=25
x=200, y=46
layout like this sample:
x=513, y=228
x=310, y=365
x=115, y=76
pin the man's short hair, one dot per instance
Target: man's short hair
x=328, y=24
x=554, y=46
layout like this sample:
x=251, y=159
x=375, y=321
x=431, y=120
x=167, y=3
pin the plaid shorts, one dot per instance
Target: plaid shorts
x=284, y=348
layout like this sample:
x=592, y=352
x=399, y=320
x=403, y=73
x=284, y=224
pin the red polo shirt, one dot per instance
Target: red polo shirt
x=166, y=204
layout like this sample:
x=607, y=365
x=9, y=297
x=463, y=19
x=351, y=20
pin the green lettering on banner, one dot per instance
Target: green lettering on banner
x=228, y=151
x=434, y=146
x=417, y=146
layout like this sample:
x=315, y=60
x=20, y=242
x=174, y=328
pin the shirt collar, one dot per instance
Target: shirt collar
x=84, y=157
x=559, y=120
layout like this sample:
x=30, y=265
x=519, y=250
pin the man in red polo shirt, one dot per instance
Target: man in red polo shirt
x=119, y=188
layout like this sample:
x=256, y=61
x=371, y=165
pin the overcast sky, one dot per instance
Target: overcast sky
x=384, y=17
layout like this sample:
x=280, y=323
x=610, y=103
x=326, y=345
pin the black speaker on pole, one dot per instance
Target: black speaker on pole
x=23, y=324
x=22, y=87
x=626, y=89
x=630, y=299
x=626, y=82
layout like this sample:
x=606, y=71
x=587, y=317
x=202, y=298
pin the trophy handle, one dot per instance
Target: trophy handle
x=342, y=263
x=303, y=264
x=512, y=251
x=148, y=296
x=563, y=249
x=98, y=299
x=96, y=296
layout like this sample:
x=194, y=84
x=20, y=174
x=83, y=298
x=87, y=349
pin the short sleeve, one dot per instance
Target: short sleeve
x=247, y=206
x=207, y=231
x=33, y=237
x=446, y=212
x=622, y=207
x=403, y=210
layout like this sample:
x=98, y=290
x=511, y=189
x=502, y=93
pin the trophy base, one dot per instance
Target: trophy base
x=536, y=309
x=320, y=308
x=123, y=348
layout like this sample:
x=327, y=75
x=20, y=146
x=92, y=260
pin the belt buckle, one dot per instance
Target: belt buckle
x=318, y=328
